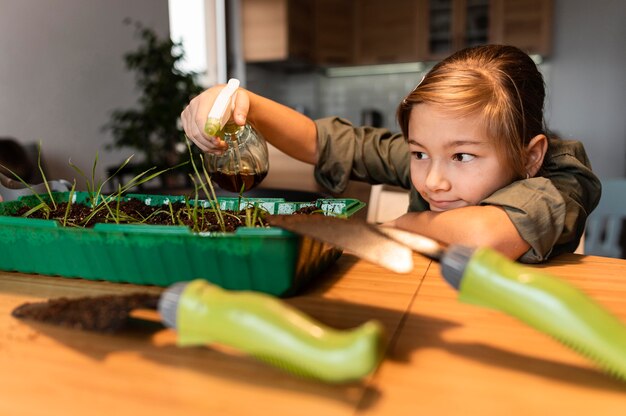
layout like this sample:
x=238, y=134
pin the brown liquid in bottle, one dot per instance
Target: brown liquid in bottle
x=234, y=182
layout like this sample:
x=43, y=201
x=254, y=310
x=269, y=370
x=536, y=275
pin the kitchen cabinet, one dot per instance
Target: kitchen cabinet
x=457, y=24
x=526, y=24
x=265, y=30
x=359, y=32
x=306, y=31
x=332, y=32
x=390, y=31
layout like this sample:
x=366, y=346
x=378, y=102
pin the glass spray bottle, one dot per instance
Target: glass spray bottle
x=244, y=164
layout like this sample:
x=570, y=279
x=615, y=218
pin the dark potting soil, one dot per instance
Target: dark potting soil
x=135, y=210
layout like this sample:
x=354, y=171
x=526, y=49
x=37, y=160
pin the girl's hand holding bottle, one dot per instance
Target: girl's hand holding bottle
x=194, y=118
x=237, y=155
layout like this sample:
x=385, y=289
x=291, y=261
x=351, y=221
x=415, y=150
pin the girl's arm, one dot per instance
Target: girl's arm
x=488, y=226
x=289, y=131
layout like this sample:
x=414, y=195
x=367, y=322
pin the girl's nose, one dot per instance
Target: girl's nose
x=436, y=179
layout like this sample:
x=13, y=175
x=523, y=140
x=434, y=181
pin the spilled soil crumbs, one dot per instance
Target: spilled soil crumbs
x=108, y=313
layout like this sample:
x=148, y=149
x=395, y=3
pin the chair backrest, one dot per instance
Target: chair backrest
x=605, y=224
x=13, y=157
x=386, y=203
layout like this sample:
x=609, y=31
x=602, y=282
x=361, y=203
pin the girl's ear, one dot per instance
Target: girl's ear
x=535, y=152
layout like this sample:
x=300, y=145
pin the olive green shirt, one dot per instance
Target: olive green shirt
x=549, y=211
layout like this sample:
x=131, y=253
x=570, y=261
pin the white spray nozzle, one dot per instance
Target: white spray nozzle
x=219, y=114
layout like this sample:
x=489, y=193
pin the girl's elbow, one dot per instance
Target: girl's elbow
x=512, y=249
x=504, y=239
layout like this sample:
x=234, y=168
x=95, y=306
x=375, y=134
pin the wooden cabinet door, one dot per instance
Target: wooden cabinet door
x=390, y=31
x=309, y=31
x=264, y=30
x=334, y=32
x=526, y=24
x=360, y=32
x=301, y=30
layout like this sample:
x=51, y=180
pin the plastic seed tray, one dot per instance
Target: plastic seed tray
x=269, y=260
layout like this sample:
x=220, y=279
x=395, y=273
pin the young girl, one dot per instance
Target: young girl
x=479, y=163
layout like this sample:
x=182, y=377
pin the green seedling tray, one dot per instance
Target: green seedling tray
x=269, y=260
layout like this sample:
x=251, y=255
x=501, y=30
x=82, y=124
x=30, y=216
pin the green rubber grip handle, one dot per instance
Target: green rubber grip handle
x=270, y=330
x=549, y=305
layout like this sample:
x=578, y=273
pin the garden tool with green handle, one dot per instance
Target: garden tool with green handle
x=484, y=277
x=254, y=323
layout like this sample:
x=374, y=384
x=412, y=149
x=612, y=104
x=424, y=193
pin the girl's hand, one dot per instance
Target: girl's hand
x=194, y=118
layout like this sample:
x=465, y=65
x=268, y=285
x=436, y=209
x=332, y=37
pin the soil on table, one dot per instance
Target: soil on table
x=135, y=210
x=107, y=313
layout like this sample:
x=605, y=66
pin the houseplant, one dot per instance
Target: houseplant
x=153, y=128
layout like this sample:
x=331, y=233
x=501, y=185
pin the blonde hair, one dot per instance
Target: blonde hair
x=500, y=83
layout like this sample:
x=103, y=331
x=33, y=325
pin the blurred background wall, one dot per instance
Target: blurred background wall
x=61, y=74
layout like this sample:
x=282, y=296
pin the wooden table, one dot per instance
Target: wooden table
x=443, y=357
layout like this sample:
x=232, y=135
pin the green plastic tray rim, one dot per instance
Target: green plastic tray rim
x=269, y=260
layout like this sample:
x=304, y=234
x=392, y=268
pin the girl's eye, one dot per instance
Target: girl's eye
x=419, y=155
x=463, y=157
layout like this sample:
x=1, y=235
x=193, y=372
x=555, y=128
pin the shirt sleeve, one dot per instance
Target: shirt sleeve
x=550, y=211
x=569, y=169
x=537, y=210
x=367, y=154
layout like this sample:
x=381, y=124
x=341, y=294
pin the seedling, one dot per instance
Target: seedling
x=201, y=215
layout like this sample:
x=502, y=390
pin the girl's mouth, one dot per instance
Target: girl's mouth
x=442, y=205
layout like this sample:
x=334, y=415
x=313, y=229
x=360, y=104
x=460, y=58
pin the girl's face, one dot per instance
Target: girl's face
x=453, y=163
